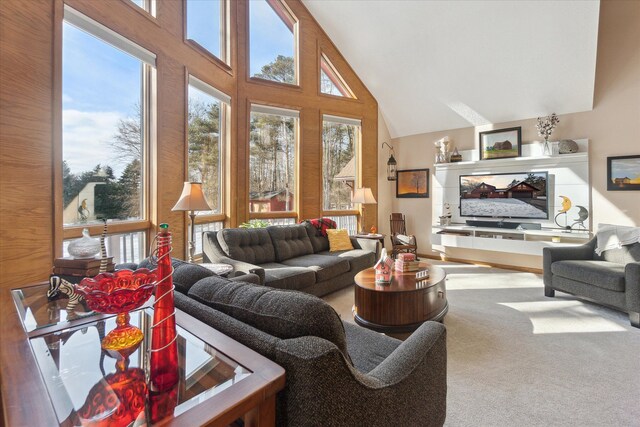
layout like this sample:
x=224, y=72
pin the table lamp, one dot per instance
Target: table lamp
x=363, y=196
x=192, y=200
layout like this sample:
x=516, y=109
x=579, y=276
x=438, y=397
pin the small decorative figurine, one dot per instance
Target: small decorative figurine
x=583, y=214
x=445, y=219
x=383, y=268
x=566, y=205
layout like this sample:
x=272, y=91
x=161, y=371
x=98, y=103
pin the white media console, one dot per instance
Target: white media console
x=568, y=175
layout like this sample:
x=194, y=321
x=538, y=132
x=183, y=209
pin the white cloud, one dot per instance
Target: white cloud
x=86, y=139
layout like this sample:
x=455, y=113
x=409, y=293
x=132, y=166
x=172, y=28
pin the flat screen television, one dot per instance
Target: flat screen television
x=505, y=195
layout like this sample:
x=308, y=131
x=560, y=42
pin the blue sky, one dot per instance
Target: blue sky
x=101, y=85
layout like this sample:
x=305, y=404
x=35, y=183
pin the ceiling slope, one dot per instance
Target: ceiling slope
x=437, y=65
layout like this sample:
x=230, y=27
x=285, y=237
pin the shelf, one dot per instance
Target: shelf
x=528, y=242
x=530, y=155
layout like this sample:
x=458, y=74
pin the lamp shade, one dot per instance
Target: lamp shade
x=192, y=198
x=363, y=195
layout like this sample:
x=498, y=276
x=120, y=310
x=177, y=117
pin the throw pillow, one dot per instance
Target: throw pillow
x=406, y=240
x=339, y=240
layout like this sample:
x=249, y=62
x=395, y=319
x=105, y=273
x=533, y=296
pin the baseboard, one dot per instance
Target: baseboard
x=443, y=257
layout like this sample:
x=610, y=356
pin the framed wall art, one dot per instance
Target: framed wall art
x=500, y=143
x=623, y=173
x=412, y=183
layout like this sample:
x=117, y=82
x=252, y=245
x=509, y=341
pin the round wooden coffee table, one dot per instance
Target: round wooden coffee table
x=402, y=305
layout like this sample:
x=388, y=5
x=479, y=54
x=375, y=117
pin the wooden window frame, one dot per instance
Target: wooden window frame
x=358, y=148
x=224, y=60
x=262, y=108
x=286, y=15
x=149, y=80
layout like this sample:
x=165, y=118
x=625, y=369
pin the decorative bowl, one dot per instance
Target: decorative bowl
x=119, y=291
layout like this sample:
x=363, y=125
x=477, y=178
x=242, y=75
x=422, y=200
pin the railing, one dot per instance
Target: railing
x=348, y=222
x=201, y=228
x=125, y=247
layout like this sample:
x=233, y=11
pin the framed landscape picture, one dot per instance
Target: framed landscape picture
x=623, y=173
x=412, y=183
x=500, y=143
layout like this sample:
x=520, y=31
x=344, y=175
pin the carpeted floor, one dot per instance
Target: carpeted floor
x=517, y=358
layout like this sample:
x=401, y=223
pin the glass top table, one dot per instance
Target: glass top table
x=52, y=355
x=86, y=384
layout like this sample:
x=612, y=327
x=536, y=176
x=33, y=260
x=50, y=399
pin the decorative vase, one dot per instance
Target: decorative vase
x=546, y=148
x=84, y=247
x=163, y=360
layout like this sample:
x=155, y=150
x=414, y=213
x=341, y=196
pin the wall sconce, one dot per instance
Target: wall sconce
x=391, y=164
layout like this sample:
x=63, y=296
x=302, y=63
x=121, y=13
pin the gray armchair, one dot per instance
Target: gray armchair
x=611, y=279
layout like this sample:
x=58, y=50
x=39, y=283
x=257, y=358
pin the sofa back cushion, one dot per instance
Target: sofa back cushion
x=318, y=241
x=252, y=245
x=623, y=255
x=290, y=241
x=284, y=314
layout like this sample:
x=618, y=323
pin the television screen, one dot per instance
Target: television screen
x=505, y=195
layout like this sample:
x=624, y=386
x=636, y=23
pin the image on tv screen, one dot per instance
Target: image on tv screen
x=506, y=195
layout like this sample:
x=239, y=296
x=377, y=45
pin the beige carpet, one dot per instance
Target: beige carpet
x=517, y=358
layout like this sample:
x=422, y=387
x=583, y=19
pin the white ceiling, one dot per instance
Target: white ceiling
x=438, y=65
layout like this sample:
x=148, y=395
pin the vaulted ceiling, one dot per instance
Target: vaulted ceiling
x=438, y=65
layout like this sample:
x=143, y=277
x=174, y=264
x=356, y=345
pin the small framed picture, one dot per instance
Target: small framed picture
x=623, y=173
x=501, y=143
x=412, y=183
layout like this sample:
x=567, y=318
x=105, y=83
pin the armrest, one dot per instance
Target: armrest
x=244, y=267
x=553, y=254
x=242, y=277
x=416, y=370
x=354, y=242
x=632, y=286
x=211, y=252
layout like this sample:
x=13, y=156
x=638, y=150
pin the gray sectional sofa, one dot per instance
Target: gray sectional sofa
x=293, y=257
x=337, y=373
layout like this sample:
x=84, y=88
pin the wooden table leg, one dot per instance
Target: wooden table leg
x=263, y=415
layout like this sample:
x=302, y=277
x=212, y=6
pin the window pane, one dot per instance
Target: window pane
x=331, y=82
x=205, y=158
x=339, y=164
x=205, y=25
x=102, y=136
x=126, y=247
x=272, y=42
x=272, y=163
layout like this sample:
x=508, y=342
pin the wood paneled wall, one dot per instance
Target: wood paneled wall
x=30, y=159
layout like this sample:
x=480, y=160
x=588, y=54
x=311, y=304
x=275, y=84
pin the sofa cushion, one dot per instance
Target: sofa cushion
x=359, y=259
x=184, y=274
x=326, y=267
x=623, y=255
x=367, y=348
x=290, y=241
x=339, y=240
x=318, y=241
x=284, y=314
x=252, y=245
x=603, y=274
x=283, y=276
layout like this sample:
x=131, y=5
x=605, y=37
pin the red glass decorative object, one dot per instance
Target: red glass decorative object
x=116, y=401
x=163, y=363
x=119, y=292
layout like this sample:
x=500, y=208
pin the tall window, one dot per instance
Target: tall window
x=147, y=5
x=273, y=41
x=272, y=159
x=105, y=127
x=206, y=133
x=331, y=82
x=340, y=141
x=206, y=25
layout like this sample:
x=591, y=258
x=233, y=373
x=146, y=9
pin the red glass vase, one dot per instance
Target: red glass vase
x=163, y=361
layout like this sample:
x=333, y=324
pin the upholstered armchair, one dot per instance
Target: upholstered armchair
x=611, y=278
